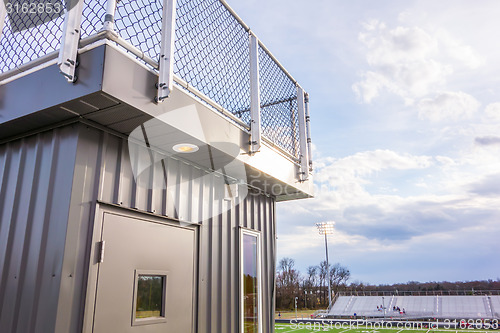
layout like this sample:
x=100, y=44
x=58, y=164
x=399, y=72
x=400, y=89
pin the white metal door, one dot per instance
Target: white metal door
x=145, y=280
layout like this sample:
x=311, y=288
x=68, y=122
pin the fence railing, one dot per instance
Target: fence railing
x=212, y=58
x=448, y=292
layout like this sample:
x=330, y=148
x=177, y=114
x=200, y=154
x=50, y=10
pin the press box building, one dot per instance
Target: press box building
x=143, y=147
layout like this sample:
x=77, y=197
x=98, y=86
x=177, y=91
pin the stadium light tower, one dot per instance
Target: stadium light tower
x=326, y=228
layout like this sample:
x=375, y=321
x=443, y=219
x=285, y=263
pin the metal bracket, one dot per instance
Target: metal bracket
x=102, y=246
x=304, y=156
x=109, y=18
x=166, y=61
x=255, y=122
x=68, y=52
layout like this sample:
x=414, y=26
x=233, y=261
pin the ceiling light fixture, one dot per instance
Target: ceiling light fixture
x=185, y=148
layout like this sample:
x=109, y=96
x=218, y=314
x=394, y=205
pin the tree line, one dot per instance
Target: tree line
x=311, y=288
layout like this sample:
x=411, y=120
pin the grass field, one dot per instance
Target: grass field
x=301, y=314
x=308, y=328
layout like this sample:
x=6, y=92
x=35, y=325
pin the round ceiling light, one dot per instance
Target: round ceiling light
x=185, y=148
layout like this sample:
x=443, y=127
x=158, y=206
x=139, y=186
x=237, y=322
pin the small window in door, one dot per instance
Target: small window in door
x=149, y=297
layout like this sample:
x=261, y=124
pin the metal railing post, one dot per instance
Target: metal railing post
x=166, y=61
x=109, y=18
x=308, y=133
x=255, y=121
x=67, y=60
x=3, y=14
x=304, y=156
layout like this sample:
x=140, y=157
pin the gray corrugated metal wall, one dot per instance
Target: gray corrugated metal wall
x=36, y=176
x=102, y=171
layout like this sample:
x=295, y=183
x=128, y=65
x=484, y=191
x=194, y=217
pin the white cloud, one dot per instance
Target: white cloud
x=448, y=106
x=409, y=62
x=365, y=163
x=342, y=182
x=492, y=111
x=460, y=51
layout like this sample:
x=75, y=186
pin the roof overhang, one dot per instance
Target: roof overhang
x=116, y=91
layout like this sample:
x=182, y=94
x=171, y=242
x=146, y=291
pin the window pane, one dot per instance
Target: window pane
x=250, y=285
x=150, y=294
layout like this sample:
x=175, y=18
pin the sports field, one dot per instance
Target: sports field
x=309, y=328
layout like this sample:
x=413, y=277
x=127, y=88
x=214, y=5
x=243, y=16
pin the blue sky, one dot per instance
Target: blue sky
x=405, y=108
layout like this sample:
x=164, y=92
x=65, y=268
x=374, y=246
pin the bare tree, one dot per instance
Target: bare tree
x=339, y=275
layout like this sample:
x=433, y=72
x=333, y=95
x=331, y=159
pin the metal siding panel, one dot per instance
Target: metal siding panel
x=157, y=193
x=23, y=223
x=34, y=206
x=126, y=183
x=56, y=219
x=215, y=264
x=111, y=167
x=265, y=266
x=233, y=302
x=86, y=181
x=25, y=294
x=7, y=198
x=196, y=195
x=103, y=170
x=142, y=184
x=12, y=263
x=184, y=194
x=204, y=259
x=225, y=270
x=172, y=187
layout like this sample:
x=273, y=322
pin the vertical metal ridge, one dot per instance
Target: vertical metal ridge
x=118, y=173
x=220, y=263
x=53, y=154
x=22, y=224
x=102, y=164
x=58, y=202
x=21, y=322
x=230, y=305
x=4, y=222
x=10, y=275
x=265, y=262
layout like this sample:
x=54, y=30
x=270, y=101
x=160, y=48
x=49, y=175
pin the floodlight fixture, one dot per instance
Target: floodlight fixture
x=326, y=228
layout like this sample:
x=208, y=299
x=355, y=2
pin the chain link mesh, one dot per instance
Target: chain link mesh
x=139, y=23
x=211, y=54
x=279, y=109
x=92, y=17
x=22, y=45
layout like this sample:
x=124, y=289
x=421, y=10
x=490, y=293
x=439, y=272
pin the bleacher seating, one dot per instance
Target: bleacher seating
x=452, y=307
x=495, y=306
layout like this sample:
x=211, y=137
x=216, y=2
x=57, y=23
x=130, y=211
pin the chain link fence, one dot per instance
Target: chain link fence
x=139, y=23
x=212, y=54
x=92, y=17
x=279, y=109
x=29, y=36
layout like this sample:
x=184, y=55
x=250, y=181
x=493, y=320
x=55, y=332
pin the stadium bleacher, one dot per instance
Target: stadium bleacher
x=445, y=307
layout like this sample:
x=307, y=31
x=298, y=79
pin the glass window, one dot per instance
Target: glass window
x=251, y=301
x=150, y=296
